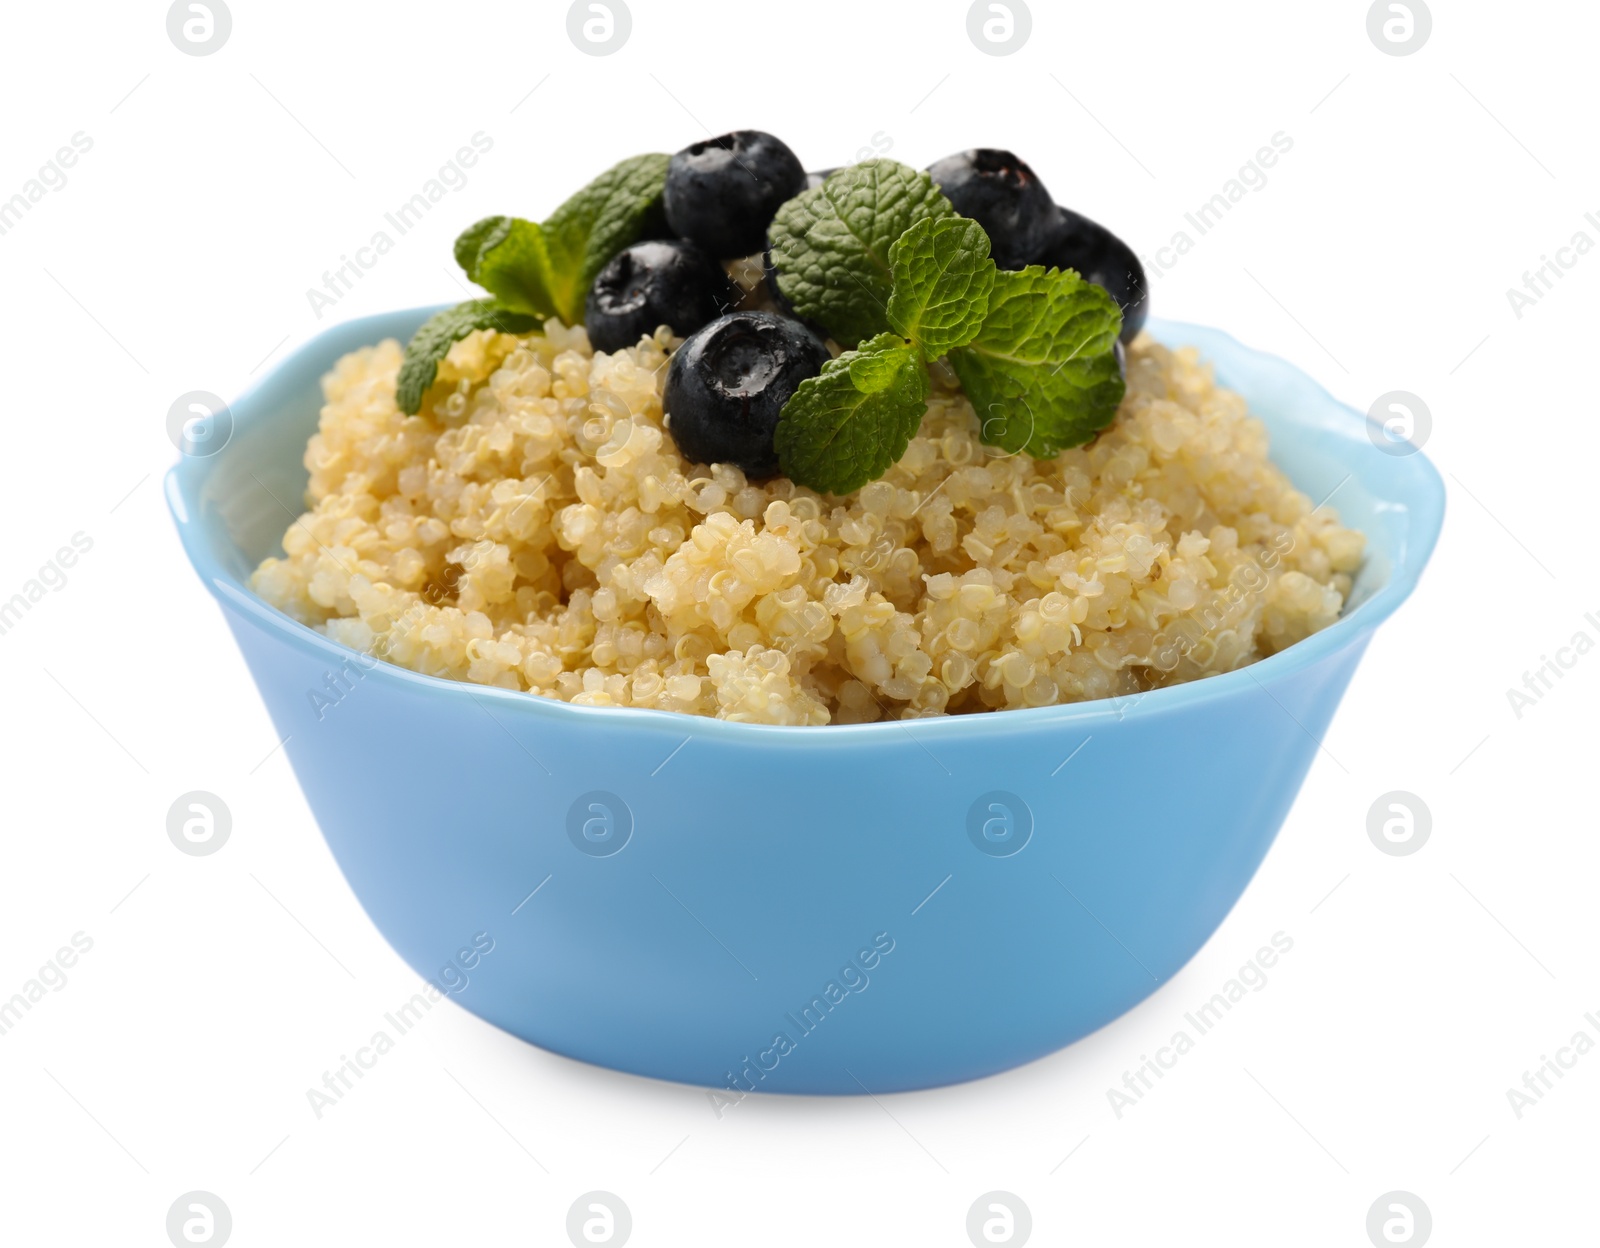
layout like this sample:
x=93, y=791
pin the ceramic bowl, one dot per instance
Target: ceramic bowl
x=814, y=910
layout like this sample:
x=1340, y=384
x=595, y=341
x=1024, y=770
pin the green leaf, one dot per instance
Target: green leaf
x=942, y=276
x=595, y=224
x=1041, y=372
x=546, y=270
x=432, y=342
x=509, y=258
x=469, y=244
x=831, y=244
x=848, y=424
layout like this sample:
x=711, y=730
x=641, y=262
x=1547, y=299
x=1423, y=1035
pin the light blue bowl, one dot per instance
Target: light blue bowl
x=670, y=895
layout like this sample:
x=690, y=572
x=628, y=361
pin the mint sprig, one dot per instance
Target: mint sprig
x=536, y=271
x=831, y=244
x=1042, y=371
x=1034, y=351
x=432, y=342
x=546, y=270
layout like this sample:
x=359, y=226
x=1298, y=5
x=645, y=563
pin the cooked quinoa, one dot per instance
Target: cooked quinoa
x=534, y=527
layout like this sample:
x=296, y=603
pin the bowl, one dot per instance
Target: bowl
x=845, y=909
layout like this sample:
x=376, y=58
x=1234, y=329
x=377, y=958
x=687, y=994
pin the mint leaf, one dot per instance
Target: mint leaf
x=546, y=270
x=595, y=224
x=831, y=244
x=508, y=257
x=432, y=342
x=848, y=424
x=1041, y=372
x=469, y=244
x=942, y=276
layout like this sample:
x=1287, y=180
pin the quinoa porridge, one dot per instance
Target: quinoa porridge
x=535, y=527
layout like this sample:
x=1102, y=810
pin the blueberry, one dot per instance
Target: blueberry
x=656, y=283
x=1100, y=257
x=728, y=383
x=1003, y=195
x=724, y=192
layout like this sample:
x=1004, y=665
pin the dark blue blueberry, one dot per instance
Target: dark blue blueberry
x=1100, y=257
x=1003, y=195
x=724, y=192
x=652, y=284
x=727, y=385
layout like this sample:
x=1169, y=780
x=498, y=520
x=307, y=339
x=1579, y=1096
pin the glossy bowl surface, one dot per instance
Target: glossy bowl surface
x=814, y=910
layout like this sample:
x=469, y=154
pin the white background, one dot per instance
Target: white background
x=178, y=256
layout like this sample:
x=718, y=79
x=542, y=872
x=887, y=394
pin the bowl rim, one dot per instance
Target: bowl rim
x=1424, y=496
